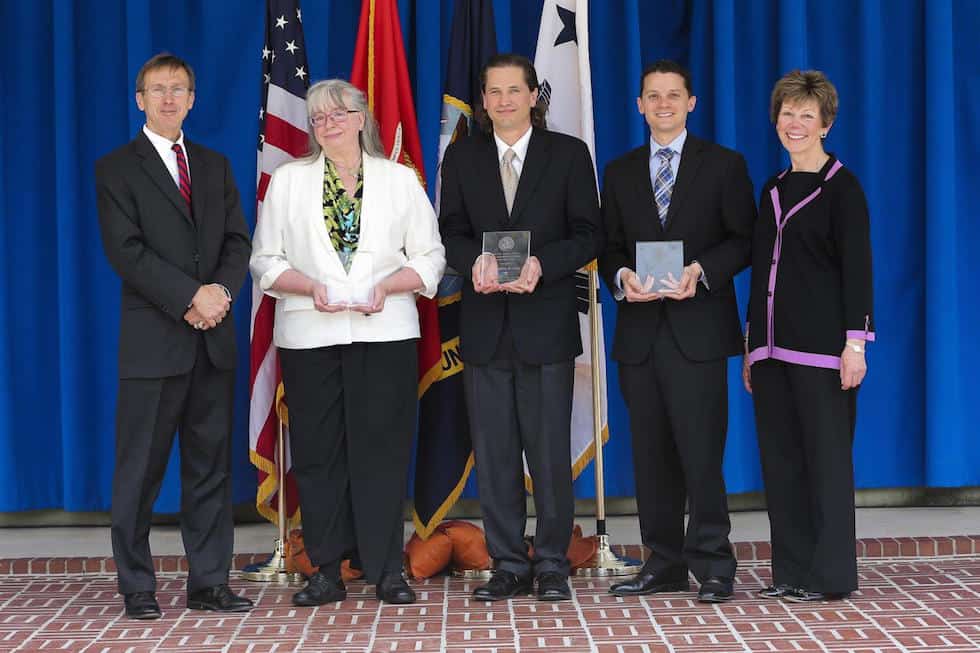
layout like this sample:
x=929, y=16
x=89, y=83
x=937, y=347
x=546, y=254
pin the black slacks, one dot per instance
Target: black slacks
x=679, y=418
x=352, y=416
x=517, y=408
x=805, y=425
x=198, y=405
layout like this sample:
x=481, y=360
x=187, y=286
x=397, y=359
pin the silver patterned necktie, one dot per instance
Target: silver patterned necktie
x=663, y=184
x=508, y=176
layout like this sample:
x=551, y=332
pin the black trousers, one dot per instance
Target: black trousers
x=805, y=424
x=679, y=418
x=516, y=408
x=198, y=405
x=352, y=416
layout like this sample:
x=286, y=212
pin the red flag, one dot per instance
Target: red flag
x=282, y=137
x=381, y=72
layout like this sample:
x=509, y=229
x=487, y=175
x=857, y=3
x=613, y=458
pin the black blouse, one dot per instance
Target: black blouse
x=811, y=268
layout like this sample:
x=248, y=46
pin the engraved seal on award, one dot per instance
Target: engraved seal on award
x=511, y=249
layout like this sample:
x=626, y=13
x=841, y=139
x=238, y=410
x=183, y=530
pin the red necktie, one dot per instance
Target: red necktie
x=184, y=177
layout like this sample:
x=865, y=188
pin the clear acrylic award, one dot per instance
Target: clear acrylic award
x=511, y=249
x=356, y=289
x=659, y=261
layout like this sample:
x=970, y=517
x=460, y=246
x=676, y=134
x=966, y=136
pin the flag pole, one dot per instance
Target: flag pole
x=274, y=570
x=605, y=562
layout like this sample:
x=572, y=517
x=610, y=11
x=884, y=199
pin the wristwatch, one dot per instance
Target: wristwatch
x=857, y=348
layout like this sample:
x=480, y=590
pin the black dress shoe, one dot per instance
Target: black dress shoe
x=775, y=591
x=553, y=586
x=320, y=589
x=800, y=595
x=218, y=598
x=503, y=585
x=141, y=605
x=394, y=589
x=647, y=582
x=715, y=590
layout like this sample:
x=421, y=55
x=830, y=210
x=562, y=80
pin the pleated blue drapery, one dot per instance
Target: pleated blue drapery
x=908, y=72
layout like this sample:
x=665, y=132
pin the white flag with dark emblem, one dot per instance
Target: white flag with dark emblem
x=562, y=63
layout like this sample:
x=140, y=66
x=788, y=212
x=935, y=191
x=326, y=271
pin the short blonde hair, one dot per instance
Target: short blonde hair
x=802, y=85
x=344, y=95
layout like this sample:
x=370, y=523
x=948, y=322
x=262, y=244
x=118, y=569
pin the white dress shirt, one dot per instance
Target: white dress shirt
x=520, y=150
x=164, y=147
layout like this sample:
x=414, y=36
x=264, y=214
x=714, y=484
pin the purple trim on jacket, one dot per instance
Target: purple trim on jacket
x=795, y=357
x=867, y=336
x=789, y=355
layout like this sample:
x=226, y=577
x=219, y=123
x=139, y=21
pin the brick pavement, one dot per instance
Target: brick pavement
x=916, y=595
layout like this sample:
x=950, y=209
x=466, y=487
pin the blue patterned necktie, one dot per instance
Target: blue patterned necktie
x=663, y=184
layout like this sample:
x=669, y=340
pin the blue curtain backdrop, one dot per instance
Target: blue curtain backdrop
x=908, y=72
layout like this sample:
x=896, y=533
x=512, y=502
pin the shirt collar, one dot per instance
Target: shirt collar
x=677, y=145
x=520, y=147
x=162, y=144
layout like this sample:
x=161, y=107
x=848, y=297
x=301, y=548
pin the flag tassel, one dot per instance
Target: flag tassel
x=605, y=562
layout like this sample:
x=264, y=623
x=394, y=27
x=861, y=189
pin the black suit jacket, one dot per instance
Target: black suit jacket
x=712, y=210
x=557, y=202
x=163, y=253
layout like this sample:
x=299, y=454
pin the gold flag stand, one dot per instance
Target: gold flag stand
x=604, y=562
x=274, y=570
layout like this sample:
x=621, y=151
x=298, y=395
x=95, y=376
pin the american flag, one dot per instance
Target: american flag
x=282, y=138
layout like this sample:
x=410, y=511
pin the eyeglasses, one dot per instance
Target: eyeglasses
x=338, y=116
x=158, y=92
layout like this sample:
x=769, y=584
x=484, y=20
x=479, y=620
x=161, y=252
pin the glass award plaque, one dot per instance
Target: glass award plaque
x=511, y=249
x=657, y=262
x=356, y=290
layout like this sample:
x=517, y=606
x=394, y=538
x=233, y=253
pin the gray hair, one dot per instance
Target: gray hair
x=344, y=95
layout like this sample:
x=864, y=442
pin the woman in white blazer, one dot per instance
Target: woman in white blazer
x=345, y=240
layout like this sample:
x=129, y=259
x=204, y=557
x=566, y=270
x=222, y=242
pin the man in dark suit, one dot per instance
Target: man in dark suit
x=518, y=340
x=672, y=340
x=173, y=230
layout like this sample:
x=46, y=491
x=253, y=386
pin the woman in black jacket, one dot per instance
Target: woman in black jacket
x=809, y=319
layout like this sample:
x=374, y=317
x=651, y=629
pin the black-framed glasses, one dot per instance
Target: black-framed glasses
x=338, y=116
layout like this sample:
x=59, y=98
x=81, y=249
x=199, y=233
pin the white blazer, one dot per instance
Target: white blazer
x=398, y=229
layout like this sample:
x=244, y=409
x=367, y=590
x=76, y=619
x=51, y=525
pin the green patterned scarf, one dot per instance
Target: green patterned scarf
x=341, y=212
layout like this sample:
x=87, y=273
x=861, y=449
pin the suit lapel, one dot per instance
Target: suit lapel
x=538, y=153
x=155, y=169
x=690, y=162
x=199, y=181
x=489, y=169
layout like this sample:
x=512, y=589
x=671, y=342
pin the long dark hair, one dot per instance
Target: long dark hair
x=508, y=60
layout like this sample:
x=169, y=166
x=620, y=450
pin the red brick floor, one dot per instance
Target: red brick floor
x=924, y=602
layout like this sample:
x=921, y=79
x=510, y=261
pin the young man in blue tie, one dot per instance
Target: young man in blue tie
x=672, y=340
